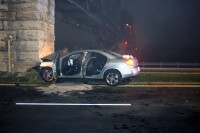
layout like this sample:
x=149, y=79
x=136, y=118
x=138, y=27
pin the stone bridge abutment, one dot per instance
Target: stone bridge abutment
x=31, y=23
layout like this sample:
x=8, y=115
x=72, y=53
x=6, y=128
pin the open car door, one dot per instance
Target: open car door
x=56, y=66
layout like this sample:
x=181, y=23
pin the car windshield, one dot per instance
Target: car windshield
x=114, y=54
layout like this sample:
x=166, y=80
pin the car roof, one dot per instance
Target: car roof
x=62, y=55
x=104, y=52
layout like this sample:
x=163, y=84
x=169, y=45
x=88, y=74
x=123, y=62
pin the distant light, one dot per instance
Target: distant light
x=128, y=25
x=125, y=43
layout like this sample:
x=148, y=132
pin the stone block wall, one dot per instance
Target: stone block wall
x=31, y=22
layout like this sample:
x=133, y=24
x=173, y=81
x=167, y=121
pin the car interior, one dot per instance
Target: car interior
x=71, y=65
x=95, y=64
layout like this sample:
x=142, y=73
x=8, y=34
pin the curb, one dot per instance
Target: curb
x=163, y=86
x=164, y=83
x=22, y=84
x=132, y=84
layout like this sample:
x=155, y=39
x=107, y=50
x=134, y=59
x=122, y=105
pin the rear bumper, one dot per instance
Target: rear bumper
x=134, y=72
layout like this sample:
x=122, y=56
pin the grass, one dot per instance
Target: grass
x=2, y=73
x=32, y=76
x=167, y=77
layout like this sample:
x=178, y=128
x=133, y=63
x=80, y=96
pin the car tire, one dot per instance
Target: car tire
x=47, y=75
x=112, y=77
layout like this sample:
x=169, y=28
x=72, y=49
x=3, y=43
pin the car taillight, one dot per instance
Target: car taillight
x=129, y=62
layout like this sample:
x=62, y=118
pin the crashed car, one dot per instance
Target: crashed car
x=90, y=64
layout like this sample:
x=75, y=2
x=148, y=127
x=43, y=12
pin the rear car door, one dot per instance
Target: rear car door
x=95, y=64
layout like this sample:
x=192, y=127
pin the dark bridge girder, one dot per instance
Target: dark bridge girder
x=100, y=17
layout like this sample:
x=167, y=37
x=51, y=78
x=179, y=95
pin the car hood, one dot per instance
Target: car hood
x=48, y=58
x=52, y=56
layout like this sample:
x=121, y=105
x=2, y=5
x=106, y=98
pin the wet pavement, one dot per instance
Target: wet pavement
x=153, y=110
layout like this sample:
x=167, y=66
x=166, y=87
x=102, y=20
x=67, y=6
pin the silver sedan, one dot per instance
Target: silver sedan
x=90, y=64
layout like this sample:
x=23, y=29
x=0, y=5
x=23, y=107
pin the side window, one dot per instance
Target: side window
x=95, y=64
x=71, y=65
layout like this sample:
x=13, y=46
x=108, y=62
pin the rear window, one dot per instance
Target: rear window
x=114, y=54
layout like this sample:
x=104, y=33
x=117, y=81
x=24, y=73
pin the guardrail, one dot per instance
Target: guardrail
x=169, y=67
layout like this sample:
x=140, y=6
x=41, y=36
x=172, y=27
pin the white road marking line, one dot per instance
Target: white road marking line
x=71, y=104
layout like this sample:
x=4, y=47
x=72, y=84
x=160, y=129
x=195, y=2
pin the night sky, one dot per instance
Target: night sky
x=165, y=30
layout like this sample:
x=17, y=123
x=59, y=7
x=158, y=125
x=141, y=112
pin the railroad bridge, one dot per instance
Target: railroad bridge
x=27, y=28
x=26, y=33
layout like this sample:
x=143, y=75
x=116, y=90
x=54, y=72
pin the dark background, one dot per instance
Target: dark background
x=162, y=30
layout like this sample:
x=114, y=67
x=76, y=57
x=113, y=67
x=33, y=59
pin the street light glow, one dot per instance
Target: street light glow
x=128, y=25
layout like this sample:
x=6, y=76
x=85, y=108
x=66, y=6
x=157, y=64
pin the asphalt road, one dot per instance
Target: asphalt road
x=152, y=109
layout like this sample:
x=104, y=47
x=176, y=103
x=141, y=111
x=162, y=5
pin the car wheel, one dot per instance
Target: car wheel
x=47, y=75
x=112, y=77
